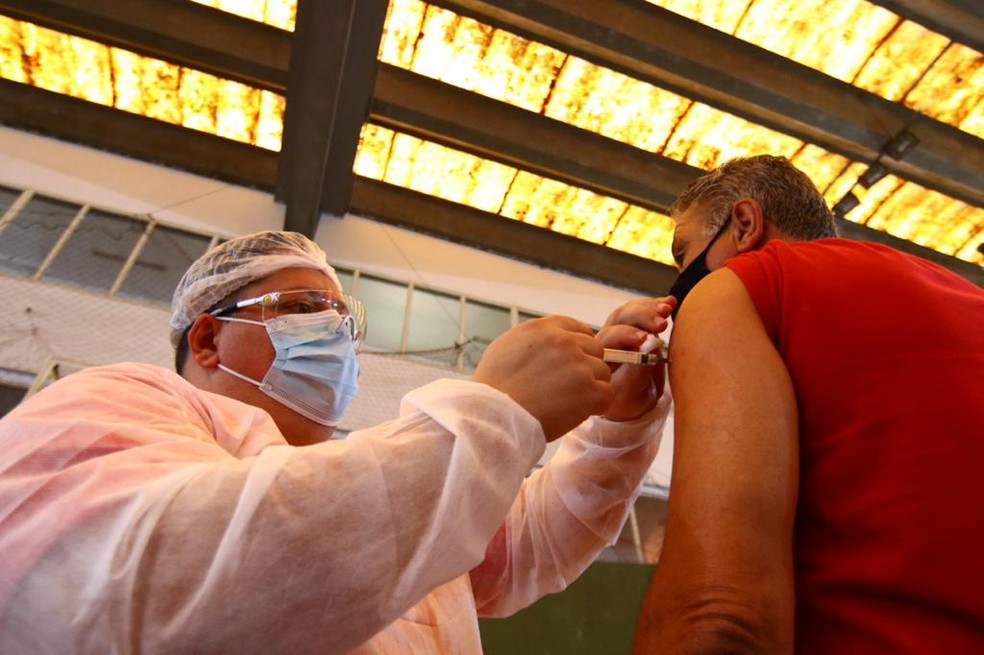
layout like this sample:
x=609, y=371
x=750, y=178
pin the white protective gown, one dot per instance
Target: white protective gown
x=139, y=514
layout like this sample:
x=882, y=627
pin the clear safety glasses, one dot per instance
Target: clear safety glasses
x=276, y=304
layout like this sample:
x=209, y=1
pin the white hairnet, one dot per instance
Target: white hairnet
x=232, y=265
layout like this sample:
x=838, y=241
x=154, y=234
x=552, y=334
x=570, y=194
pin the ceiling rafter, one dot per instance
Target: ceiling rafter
x=330, y=82
x=438, y=112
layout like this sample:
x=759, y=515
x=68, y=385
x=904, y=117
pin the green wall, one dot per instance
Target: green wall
x=596, y=615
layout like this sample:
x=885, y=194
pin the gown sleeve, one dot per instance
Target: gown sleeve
x=139, y=514
x=568, y=511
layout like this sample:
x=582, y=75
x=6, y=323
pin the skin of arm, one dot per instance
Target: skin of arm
x=724, y=582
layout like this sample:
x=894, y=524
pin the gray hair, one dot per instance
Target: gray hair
x=789, y=199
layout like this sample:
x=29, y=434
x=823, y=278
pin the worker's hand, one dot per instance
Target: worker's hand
x=638, y=387
x=551, y=366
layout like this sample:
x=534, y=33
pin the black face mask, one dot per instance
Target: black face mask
x=695, y=272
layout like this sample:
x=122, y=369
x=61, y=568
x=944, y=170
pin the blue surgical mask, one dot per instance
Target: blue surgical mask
x=695, y=272
x=315, y=371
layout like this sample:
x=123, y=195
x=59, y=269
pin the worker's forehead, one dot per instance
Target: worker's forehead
x=293, y=278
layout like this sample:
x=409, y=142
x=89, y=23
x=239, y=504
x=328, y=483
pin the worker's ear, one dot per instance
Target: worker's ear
x=202, y=341
x=749, y=224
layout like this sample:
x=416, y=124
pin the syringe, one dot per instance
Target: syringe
x=614, y=356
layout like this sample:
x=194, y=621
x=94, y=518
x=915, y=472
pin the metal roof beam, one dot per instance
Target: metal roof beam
x=94, y=125
x=438, y=112
x=686, y=58
x=78, y=121
x=332, y=68
x=403, y=100
x=665, y=49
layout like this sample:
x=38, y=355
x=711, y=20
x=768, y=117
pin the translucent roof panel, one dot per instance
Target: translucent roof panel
x=922, y=216
x=457, y=50
x=860, y=43
x=953, y=90
x=855, y=41
x=278, y=13
x=150, y=87
x=852, y=40
x=463, y=52
x=449, y=174
x=467, y=54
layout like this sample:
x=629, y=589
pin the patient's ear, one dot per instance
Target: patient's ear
x=749, y=224
x=203, y=341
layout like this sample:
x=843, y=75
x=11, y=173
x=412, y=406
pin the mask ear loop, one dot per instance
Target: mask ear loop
x=223, y=367
x=352, y=328
x=239, y=375
x=717, y=233
x=695, y=271
x=234, y=319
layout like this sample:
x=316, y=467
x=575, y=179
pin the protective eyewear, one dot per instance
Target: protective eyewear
x=276, y=304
